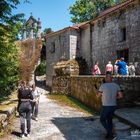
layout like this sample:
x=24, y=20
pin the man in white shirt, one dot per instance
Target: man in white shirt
x=109, y=93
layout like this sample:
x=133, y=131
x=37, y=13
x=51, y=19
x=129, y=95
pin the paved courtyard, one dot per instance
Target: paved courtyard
x=57, y=122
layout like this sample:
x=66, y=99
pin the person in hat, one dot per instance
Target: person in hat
x=109, y=93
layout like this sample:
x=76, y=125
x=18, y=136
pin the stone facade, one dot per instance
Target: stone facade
x=116, y=34
x=57, y=48
x=113, y=34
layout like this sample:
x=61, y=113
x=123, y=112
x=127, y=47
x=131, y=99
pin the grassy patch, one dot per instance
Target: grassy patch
x=71, y=102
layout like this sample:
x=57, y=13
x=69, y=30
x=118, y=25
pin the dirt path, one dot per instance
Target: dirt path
x=58, y=122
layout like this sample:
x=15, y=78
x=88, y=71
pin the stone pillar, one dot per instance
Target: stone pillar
x=24, y=34
x=38, y=28
x=31, y=33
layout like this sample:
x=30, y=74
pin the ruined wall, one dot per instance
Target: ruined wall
x=83, y=89
x=107, y=36
x=57, y=46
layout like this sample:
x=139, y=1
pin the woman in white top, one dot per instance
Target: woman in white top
x=35, y=103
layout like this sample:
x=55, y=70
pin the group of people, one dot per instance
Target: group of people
x=108, y=91
x=120, y=68
x=28, y=102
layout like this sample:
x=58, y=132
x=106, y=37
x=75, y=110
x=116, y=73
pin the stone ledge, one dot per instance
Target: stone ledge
x=5, y=116
x=129, y=115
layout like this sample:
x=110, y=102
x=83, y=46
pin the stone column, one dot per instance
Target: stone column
x=38, y=28
x=31, y=33
x=24, y=34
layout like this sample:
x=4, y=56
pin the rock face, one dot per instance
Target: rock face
x=64, y=68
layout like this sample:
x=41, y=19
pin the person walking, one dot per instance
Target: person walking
x=109, y=68
x=35, y=102
x=131, y=69
x=96, y=69
x=122, y=70
x=24, y=108
x=109, y=93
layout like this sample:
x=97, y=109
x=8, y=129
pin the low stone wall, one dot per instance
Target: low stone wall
x=5, y=117
x=61, y=85
x=83, y=88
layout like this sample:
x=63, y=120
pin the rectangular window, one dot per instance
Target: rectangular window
x=52, y=48
x=122, y=34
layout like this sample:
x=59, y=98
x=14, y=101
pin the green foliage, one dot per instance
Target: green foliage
x=84, y=10
x=47, y=31
x=10, y=25
x=8, y=62
x=41, y=68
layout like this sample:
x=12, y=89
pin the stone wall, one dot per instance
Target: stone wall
x=107, y=36
x=58, y=46
x=5, y=117
x=83, y=88
x=61, y=85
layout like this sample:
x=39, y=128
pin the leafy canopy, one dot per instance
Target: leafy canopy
x=10, y=25
x=84, y=10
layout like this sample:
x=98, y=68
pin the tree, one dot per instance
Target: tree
x=9, y=28
x=46, y=31
x=84, y=10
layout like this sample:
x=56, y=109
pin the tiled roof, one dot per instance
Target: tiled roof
x=79, y=25
x=115, y=8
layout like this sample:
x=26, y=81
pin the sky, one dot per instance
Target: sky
x=53, y=14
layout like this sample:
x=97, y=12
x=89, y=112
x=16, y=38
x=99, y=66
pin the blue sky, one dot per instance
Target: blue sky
x=53, y=14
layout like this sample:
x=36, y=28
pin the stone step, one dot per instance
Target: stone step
x=137, y=103
x=129, y=115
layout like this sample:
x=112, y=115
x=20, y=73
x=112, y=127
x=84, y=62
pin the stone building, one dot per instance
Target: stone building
x=113, y=34
x=63, y=44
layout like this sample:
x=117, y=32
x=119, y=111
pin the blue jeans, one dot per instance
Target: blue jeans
x=25, y=115
x=106, y=117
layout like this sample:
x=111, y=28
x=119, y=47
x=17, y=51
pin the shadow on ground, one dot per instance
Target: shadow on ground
x=16, y=133
x=79, y=128
x=42, y=84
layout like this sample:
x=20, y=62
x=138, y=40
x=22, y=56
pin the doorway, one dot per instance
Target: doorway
x=123, y=53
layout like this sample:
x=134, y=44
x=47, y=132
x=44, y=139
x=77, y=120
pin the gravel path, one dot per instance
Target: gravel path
x=58, y=122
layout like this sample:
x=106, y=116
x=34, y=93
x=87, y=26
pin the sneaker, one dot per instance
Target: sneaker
x=22, y=135
x=36, y=119
x=28, y=135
